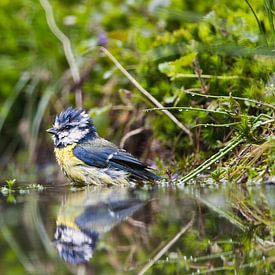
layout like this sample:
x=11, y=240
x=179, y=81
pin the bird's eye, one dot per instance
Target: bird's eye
x=68, y=127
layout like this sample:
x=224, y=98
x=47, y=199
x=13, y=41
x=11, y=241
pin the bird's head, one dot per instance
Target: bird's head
x=71, y=126
x=75, y=246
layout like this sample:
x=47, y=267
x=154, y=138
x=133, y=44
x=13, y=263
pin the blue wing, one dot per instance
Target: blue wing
x=113, y=158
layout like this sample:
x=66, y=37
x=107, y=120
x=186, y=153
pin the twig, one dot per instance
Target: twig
x=167, y=246
x=66, y=46
x=146, y=93
x=198, y=71
x=129, y=134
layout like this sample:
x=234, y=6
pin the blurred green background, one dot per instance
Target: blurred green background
x=171, y=47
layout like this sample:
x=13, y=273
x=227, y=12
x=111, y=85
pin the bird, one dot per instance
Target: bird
x=85, y=216
x=86, y=158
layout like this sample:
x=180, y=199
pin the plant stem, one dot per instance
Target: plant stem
x=235, y=142
x=66, y=46
x=146, y=93
x=201, y=110
x=258, y=21
x=228, y=97
x=223, y=77
x=188, y=109
x=167, y=246
x=215, y=125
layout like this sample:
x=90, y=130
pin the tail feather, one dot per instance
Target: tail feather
x=137, y=172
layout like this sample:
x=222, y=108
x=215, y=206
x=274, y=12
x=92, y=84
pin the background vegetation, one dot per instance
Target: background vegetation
x=212, y=62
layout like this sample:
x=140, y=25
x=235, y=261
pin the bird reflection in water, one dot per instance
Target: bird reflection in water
x=84, y=216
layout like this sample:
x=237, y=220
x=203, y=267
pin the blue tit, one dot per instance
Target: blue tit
x=86, y=158
x=85, y=216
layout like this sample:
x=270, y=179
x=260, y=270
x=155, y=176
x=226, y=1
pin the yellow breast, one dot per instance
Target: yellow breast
x=69, y=163
x=73, y=206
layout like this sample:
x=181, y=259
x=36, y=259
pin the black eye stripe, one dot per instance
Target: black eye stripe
x=67, y=127
x=71, y=126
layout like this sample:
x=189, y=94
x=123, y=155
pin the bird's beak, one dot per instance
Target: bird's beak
x=52, y=131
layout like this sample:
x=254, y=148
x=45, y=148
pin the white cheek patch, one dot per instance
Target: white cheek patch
x=73, y=136
x=77, y=134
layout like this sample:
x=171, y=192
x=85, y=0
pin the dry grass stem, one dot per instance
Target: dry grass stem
x=167, y=246
x=146, y=93
x=66, y=46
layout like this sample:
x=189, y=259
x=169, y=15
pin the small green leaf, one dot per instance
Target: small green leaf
x=177, y=66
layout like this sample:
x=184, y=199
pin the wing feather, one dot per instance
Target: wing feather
x=109, y=156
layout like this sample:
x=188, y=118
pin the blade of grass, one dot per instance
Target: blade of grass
x=7, y=106
x=37, y=225
x=67, y=48
x=229, y=97
x=188, y=109
x=22, y=257
x=270, y=10
x=258, y=21
x=202, y=110
x=215, y=125
x=43, y=104
x=205, y=165
x=228, y=215
x=223, y=77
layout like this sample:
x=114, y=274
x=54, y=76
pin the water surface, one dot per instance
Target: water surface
x=161, y=230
